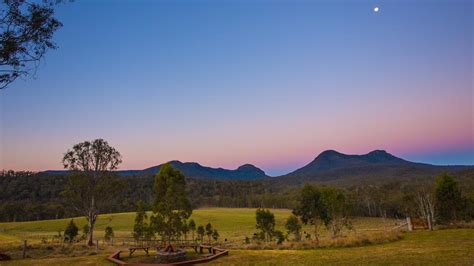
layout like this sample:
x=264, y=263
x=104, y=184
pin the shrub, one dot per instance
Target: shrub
x=71, y=232
x=209, y=231
x=266, y=223
x=279, y=236
x=215, y=235
x=293, y=226
x=247, y=240
x=200, y=232
x=109, y=233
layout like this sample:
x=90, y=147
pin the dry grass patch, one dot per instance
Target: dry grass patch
x=351, y=240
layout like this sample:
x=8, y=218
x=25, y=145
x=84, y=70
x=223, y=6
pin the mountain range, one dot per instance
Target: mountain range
x=335, y=167
x=329, y=166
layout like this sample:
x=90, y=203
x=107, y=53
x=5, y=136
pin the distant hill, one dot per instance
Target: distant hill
x=377, y=166
x=328, y=167
x=195, y=170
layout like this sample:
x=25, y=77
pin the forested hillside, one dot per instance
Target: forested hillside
x=33, y=196
x=372, y=168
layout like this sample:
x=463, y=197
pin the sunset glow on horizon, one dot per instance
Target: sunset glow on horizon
x=235, y=82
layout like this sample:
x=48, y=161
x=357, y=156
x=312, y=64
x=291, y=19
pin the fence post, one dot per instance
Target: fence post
x=410, y=226
x=97, y=245
x=24, y=249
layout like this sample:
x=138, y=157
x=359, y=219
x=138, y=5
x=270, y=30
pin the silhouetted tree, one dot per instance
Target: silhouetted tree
x=91, y=186
x=26, y=33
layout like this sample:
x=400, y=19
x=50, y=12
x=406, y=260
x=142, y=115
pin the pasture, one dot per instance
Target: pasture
x=454, y=246
x=233, y=224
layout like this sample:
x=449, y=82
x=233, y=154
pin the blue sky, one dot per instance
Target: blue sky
x=272, y=83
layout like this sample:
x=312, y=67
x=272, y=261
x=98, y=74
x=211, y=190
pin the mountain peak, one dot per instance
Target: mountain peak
x=196, y=170
x=330, y=153
x=330, y=160
x=247, y=166
x=378, y=156
x=378, y=152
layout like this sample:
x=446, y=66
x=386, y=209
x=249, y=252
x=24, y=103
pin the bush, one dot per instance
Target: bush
x=71, y=232
x=215, y=235
x=293, y=226
x=109, y=233
x=279, y=236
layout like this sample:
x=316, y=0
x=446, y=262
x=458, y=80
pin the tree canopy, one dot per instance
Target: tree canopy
x=171, y=206
x=26, y=34
x=448, y=199
x=91, y=186
x=265, y=222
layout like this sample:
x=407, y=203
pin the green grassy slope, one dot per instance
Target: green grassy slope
x=233, y=224
x=441, y=247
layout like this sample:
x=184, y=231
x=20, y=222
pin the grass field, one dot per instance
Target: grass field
x=233, y=224
x=455, y=246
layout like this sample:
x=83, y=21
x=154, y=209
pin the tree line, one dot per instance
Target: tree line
x=26, y=196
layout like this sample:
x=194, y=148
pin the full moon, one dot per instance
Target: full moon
x=376, y=9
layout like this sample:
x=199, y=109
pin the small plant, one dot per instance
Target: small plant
x=209, y=231
x=71, y=232
x=293, y=226
x=185, y=230
x=279, y=236
x=140, y=227
x=247, y=240
x=200, y=232
x=109, y=233
x=266, y=223
x=215, y=235
x=192, y=227
x=259, y=236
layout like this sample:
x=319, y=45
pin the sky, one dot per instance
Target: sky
x=271, y=83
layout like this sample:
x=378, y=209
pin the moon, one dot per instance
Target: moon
x=376, y=9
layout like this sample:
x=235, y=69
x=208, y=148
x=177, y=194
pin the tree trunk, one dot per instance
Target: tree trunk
x=90, y=241
x=430, y=226
x=91, y=218
x=316, y=233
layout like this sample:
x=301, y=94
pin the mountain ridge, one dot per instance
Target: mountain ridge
x=196, y=170
x=377, y=165
x=328, y=166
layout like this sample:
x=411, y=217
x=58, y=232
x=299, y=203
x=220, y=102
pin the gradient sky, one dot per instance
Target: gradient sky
x=272, y=83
